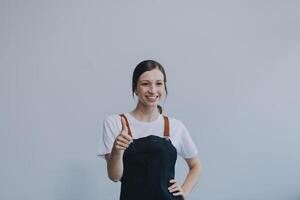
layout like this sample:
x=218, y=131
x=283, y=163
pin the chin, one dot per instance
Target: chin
x=150, y=104
x=154, y=104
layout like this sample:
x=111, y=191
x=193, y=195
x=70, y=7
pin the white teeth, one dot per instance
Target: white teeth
x=152, y=98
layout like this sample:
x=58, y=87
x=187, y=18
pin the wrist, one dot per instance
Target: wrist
x=117, y=152
x=185, y=191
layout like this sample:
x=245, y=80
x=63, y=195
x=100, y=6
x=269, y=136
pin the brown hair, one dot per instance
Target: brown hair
x=147, y=65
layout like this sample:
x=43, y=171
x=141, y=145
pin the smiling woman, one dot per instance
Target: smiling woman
x=150, y=75
x=141, y=146
x=150, y=87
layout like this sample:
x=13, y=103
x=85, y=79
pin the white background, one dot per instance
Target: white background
x=233, y=71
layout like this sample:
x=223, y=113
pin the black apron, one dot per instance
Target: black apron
x=149, y=165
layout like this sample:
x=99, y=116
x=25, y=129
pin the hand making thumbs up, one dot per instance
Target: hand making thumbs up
x=123, y=139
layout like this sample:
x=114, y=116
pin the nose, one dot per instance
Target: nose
x=153, y=88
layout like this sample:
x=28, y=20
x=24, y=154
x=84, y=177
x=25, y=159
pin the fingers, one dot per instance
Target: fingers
x=125, y=135
x=178, y=193
x=172, y=181
x=124, y=125
x=175, y=188
x=122, y=142
x=121, y=146
x=124, y=139
x=124, y=131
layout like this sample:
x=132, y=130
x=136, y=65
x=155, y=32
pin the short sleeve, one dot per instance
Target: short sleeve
x=110, y=130
x=187, y=147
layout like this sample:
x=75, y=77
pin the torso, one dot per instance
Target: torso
x=149, y=164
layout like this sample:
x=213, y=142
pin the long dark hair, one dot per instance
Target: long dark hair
x=147, y=65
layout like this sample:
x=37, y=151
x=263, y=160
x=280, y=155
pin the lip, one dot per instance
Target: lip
x=152, y=98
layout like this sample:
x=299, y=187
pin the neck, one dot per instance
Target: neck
x=145, y=114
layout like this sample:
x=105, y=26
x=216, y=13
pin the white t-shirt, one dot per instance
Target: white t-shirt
x=179, y=134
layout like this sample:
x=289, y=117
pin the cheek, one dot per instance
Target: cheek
x=162, y=91
x=140, y=90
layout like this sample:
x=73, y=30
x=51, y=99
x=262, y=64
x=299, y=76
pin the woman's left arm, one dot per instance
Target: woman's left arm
x=190, y=180
x=193, y=174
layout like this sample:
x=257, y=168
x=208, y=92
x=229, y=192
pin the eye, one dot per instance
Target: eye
x=145, y=83
x=159, y=83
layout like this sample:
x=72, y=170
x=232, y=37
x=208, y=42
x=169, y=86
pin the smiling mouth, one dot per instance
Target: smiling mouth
x=152, y=98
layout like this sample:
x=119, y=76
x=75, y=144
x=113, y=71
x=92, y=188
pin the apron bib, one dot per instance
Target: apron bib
x=149, y=165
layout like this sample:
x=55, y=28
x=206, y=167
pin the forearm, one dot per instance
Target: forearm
x=191, y=178
x=115, y=165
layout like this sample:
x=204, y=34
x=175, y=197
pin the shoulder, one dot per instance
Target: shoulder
x=177, y=128
x=176, y=123
x=181, y=138
x=112, y=121
x=112, y=118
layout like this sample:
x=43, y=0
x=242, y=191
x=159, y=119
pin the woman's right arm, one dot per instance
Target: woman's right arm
x=114, y=165
x=115, y=158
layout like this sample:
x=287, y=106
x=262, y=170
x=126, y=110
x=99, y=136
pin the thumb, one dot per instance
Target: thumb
x=124, y=125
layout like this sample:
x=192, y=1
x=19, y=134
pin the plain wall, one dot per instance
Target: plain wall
x=233, y=71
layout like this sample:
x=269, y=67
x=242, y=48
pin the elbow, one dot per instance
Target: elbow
x=114, y=171
x=196, y=166
x=114, y=178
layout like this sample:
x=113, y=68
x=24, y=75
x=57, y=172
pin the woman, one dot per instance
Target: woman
x=141, y=146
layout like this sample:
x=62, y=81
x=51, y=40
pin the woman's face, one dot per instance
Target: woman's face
x=151, y=88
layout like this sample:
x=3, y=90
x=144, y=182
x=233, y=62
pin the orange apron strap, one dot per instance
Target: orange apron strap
x=129, y=131
x=166, y=127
